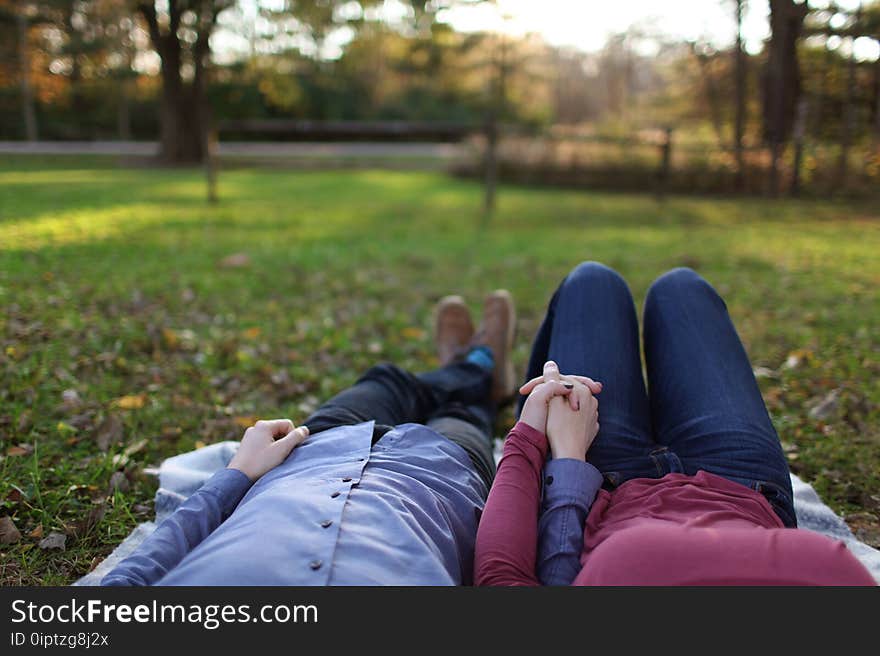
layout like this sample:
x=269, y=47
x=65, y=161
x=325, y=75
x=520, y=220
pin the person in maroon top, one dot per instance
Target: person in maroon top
x=601, y=483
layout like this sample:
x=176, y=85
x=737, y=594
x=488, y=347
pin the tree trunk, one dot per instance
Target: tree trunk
x=182, y=131
x=800, y=124
x=182, y=106
x=781, y=79
x=877, y=106
x=711, y=91
x=740, y=120
x=123, y=112
x=28, y=111
x=848, y=124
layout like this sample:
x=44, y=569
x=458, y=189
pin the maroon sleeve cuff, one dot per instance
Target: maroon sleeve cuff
x=523, y=433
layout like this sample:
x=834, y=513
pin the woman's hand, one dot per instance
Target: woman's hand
x=265, y=445
x=534, y=412
x=571, y=432
x=551, y=372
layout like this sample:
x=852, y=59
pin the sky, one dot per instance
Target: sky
x=586, y=24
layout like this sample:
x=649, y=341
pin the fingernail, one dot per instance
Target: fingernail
x=569, y=385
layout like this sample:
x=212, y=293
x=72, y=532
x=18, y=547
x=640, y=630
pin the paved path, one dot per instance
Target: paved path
x=306, y=150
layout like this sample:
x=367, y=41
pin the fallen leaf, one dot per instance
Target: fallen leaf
x=252, y=333
x=797, y=358
x=131, y=401
x=9, y=534
x=199, y=444
x=109, y=432
x=37, y=533
x=64, y=428
x=245, y=422
x=20, y=450
x=827, y=406
x=235, y=261
x=70, y=399
x=413, y=333
x=24, y=421
x=131, y=449
x=82, y=421
x=14, y=495
x=773, y=397
x=764, y=372
x=119, y=483
x=170, y=338
x=54, y=541
x=171, y=432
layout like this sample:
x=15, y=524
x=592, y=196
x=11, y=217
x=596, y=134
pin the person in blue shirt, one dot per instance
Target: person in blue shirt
x=383, y=485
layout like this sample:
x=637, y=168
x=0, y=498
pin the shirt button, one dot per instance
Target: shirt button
x=315, y=564
x=347, y=479
x=334, y=495
x=326, y=523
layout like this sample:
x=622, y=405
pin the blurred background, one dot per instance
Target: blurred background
x=754, y=96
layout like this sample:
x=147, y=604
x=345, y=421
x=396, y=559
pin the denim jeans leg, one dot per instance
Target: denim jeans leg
x=591, y=329
x=706, y=406
x=454, y=400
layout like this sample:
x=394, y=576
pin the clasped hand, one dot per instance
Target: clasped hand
x=565, y=409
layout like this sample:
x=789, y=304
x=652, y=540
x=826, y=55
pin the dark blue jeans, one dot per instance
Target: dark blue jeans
x=705, y=410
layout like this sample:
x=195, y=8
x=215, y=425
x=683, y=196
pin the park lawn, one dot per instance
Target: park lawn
x=113, y=287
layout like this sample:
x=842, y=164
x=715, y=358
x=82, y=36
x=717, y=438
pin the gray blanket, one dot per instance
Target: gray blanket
x=182, y=475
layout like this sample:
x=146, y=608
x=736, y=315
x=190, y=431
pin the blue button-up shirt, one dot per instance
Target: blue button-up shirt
x=337, y=511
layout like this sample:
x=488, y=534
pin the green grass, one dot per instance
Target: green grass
x=110, y=285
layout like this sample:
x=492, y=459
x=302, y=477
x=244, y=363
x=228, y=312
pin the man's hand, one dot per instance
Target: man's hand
x=571, y=432
x=265, y=445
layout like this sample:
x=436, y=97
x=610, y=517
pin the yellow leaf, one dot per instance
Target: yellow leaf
x=252, y=333
x=245, y=422
x=200, y=444
x=170, y=337
x=131, y=401
x=413, y=333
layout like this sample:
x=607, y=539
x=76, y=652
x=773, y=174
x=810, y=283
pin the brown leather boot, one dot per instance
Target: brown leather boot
x=497, y=332
x=453, y=328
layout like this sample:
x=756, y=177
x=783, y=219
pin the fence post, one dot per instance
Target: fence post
x=663, y=173
x=210, y=147
x=798, y=134
x=491, y=163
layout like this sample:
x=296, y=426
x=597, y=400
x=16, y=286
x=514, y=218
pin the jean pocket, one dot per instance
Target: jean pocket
x=780, y=500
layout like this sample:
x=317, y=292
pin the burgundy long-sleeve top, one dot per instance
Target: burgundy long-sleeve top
x=557, y=527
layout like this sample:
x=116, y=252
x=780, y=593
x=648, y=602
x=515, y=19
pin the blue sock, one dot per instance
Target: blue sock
x=482, y=357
